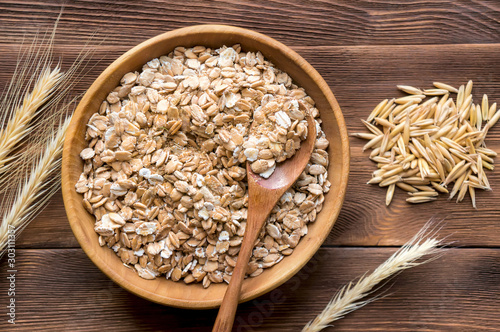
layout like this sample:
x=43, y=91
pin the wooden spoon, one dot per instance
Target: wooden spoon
x=263, y=194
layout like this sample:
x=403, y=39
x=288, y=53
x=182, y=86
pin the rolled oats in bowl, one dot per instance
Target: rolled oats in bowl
x=165, y=168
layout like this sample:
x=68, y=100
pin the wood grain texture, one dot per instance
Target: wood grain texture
x=360, y=77
x=362, y=49
x=295, y=22
x=62, y=290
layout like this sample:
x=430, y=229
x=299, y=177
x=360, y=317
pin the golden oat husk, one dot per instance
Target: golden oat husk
x=458, y=133
x=375, y=180
x=416, y=181
x=486, y=183
x=461, y=155
x=458, y=184
x=485, y=157
x=387, y=108
x=374, y=152
x=439, y=187
x=435, y=92
x=453, y=144
x=384, y=122
x=488, y=165
x=494, y=119
x=428, y=103
x=395, y=171
x=420, y=199
x=460, y=96
x=390, y=167
x=406, y=187
x=487, y=152
x=376, y=111
x=372, y=128
x=380, y=160
x=445, y=87
x=472, y=194
x=406, y=130
x=464, y=110
x=492, y=110
x=386, y=111
x=485, y=107
x=424, y=193
x=388, y=181
x=366, y=136
x=409, y=89
x=401, y=146
x=424, y=188
x=476, y=185
x=462, y=192
x=411, y=99
x=468, y=88
x=390, y=194
x=480, y=170
x=473, y=116
x=457, y=171
x=375, y=142
x=385, y=143
x=397, y=130
x=479, y=117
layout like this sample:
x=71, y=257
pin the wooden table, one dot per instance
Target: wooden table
x=362, y=49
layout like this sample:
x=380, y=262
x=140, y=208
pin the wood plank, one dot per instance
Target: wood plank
x=360, y=77
x=345, y=22
x=62, y=290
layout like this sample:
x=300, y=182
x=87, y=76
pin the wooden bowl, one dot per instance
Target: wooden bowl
x=194, y=296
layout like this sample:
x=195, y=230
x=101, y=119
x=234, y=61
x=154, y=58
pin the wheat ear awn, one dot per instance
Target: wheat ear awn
x=29, y=92
x=349, y=297
x=36, y=190
x=18, y=126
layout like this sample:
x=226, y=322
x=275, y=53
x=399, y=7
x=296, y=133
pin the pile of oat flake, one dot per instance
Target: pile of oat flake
x=164, y=171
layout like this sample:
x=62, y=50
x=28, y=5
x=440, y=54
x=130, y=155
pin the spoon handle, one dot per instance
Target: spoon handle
x=259, y=208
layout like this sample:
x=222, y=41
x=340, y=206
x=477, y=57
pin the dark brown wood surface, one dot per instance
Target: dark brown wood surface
x=60, y=289
x=362, y=49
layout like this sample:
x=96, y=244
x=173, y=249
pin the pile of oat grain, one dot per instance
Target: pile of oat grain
x=423, y=146
x=165, y=174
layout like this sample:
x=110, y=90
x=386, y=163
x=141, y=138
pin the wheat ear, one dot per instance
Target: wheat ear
x=37, y=189
x=33, y=71
x=18, y=126
x=348, y=298
x=21, y=105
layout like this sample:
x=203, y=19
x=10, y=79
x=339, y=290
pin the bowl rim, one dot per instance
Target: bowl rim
x=68, y=190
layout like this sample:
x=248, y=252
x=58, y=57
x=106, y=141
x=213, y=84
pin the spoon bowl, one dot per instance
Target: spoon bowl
x=287, y=172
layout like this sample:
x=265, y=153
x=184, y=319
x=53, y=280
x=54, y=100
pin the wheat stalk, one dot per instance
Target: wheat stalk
x=348, y=298
x=37, y=189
